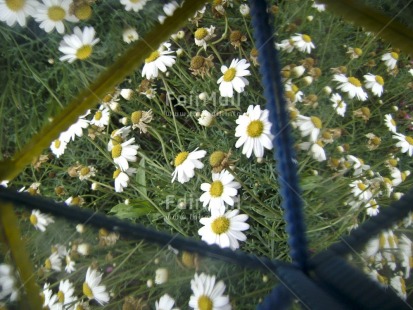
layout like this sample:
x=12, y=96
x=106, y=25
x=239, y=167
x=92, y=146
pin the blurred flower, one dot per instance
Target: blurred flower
x=51, y=14
x=12, y=11
x=244, y=9
x=390, y=123
x=122, y=178
x=233, y=78
x=133, y=5
x=169, y=9
x=126, y=93
x=206, y=294
x=78, y=45
x=118, y=136
x=372, y=208
x=75, y=129
x=254, y=132
x=303, y=43
x=360, y=190
x=309, y=126
x=224, y=230
x=130, y=35
x=286, y=45
x=390, y=59
x=206, y=119
x=338, y=104
x=65, y=295
x=141, y=119
x=58, y=147
x=158, y=60
x=161, y=276
x=222, y=190
x=86, y=172
x=53, y=262
x=92, y=288
x=8, y=283
x=315, y=149
x=166, y=302
x=40, y=220
x=185, y=164
x=405, y=143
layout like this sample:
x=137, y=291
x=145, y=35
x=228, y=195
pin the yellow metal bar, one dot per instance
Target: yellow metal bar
x=387, y=28
x=10, y=228
x=89, y=97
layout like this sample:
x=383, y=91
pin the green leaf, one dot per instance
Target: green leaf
x=311, y=182
x=132, y=210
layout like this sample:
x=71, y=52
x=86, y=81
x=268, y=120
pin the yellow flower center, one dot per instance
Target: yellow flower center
x=116, y=151
x=290, y=95
x=220, y=225
x=15, y=5
x=394, y=55
x=217, y=188
x=135, y=1
x=366, y=111
x=403, y=176
x=197, y=62
x=235, y=36
x=205, y=303
x=379, y=80
x=358, y=51
x=117, y=140
x=293, y=114
x=152, y=57
x=255, y=128
x=216, y=158
x=98, y=115
x=393, y=162
x=56, y=13
x=361, y=186
x=84, y=52
x=376, y=140
x=84, y=171
x=392, y=122
x=409, y=140
x=294, y=88
x=188, y=259
x=48, y=264
x=57, y=143
x=76, y=201
x=61, y=297
x=180, y=158
x=201, y=33
x=33, y=219
x=316, y=122
x=136, y=117
x=83, y=12
x=87, y=291
x=229, y=75
x=306, y=38
x=354, y=81
x=116, y=173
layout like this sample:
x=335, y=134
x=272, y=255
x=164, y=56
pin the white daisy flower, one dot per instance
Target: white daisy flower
x=244, y=9
x=101, y=117
x=338, y=104
x=286, y=45
x=360, y=190
x=161, y=276
x=224, y=229
x=390, y=60
x=169, y=9
x=319, y=7
x=12, y=11
x=233, y=78
x=158, y=60
x=375, y=83
x=65, y=295
x=40, y=220
x=303, y=43
x=8, y=283
x=118, y=136
x=58, y=147
x=122, y=178
x=398, y=176
x=53, y=262
x=351, y=86
x=309, y=126
x=372, y=208
x=133, y=5
x=86, y=172
x=254, y=131
x=92, y=288
x=222, y=190
x=293, y=93
x=141, y=119
x=78, y=45
x=125, y=152
x=166, y=302
x=130, y=35
x=76, y=129
x=357, y=164
x=206, y=294
x=405, y=254
x=70, y=264
x=405, y=143
x=49, y=299
x=315, y=149
x=186, y=163
x=390, y=123
x=52, y=13
x=203, y=35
